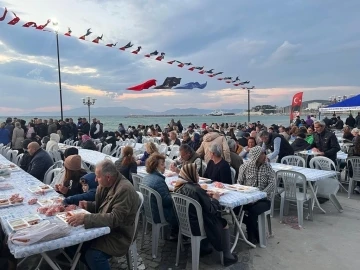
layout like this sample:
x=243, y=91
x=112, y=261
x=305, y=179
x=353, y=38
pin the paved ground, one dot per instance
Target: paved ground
x=329, y=242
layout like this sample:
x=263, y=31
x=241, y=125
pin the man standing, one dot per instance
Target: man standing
x=52, y=127
x=277, y=144
x=325, y=142
x=85, y=127
x=94, y=129
x=40, y=162
x=115, y=206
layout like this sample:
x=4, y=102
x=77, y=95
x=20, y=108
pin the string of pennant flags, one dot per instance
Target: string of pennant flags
x=129, y=47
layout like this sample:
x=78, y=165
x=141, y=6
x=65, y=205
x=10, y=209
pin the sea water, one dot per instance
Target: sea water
x=111, y=123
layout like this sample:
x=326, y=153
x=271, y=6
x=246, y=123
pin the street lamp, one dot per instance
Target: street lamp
x=248, y=90
x=56, y=29
x=89, y=101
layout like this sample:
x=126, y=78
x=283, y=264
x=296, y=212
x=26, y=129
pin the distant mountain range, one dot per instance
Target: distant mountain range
x=125, y=111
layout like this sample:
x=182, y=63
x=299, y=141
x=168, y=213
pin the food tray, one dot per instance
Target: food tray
x=22, y=223
x=44, y=188
x=63, y=216
x=2, y=179
x=203, y=180
x=6, y=186
x=285, y=167
x=241, y=188
x=49, y=201
x=11, y=167
x=219, y=190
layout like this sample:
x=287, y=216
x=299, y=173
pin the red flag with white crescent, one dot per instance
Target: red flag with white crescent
x=296, y=106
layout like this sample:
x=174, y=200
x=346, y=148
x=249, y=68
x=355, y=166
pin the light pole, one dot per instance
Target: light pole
x=248, y=92
x=56, y=28
x=89, y=101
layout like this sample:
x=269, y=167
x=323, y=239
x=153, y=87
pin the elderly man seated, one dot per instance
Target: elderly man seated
x=218, y=169
x=187, y=156
x=256, y=173
x=115, y=206
x=40, y=161
x=325, y=142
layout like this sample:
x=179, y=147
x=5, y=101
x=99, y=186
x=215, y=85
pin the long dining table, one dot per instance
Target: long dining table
x=229, y=200
x=22, y=184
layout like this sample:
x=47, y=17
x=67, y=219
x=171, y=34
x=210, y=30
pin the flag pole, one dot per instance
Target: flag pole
x=58, y=59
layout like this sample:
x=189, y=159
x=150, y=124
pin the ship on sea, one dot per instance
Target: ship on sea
x=220, y=113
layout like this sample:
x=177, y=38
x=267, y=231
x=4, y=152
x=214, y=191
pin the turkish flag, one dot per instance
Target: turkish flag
x=296, y=105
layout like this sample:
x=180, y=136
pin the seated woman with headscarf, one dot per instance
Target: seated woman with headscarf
x=217, y=168
x=53, y=143
x=256, y=173
x=87, y=143
x=216, y=228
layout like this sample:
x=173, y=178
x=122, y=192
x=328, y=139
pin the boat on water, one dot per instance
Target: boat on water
x=216, y=113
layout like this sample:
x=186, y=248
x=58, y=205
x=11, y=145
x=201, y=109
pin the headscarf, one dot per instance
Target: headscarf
x=188, y=174
x=85, y=138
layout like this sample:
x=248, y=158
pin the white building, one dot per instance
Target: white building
x=313, y=105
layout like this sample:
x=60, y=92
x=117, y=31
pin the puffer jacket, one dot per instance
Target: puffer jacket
x=157, y=182
x=210, y=139
x=326, y=142
x=52, y=145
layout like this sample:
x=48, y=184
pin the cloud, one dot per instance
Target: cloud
x=52, y=108
x=283, y=53
x=297, y=51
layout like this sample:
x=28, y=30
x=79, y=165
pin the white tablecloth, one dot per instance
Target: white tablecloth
x=340, y=155
x=230, y=199
x=310, y=174
x=90, y=156
x=21, y=182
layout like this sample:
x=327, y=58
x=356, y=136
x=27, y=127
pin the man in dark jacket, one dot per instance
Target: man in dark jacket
x=300, y=144
x=40, y=162
x=243, y=141
x=325, y=142
x=85, y=127
x=277, y=144
x=350, y=121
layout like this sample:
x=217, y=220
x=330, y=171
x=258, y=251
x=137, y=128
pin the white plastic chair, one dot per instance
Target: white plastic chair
x=292, y=180
x=149, y=193
x=233, y=174
x=57, y=165
x=133, y=248
x=14, y=155
x=182, y=205
x=76, y=143
x=163, y=149
x=136, y=179
x=67, y=141
x=18, y=159
x=8, y=154
x=294, y=161
x=329, y=187
x=174, y=151
x=107, y=149
x=55, y=155
x=168, y=162
x=98, y=147
x=50, y=174
x=354, y=164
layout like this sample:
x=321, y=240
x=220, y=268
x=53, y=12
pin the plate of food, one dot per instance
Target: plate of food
x=32, y=219
x=17, y=224
x=169, y=174
x=204, y=180
x=2, y=179
x=64, y=216
x=13, y=200
x=241, y=188
x=285, y=167
x=41, y=188
x=6, y=186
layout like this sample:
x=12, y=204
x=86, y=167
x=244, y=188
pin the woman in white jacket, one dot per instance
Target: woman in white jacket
x=53, y=145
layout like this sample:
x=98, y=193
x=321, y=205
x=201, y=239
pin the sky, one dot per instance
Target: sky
x=282, y=47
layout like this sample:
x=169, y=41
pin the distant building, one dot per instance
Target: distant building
x=313, y=105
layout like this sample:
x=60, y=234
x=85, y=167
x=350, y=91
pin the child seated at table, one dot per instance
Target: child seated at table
x=89, y=186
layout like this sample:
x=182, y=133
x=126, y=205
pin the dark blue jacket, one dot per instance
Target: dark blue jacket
x=39, y=164
x=87, y=196
x=144, y=158
x=157, y=182
x=4, y=136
